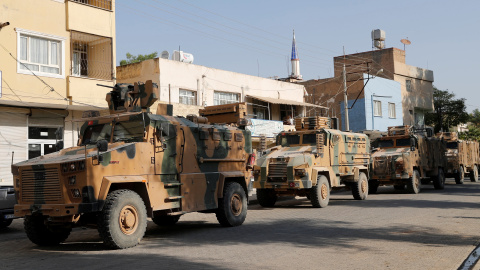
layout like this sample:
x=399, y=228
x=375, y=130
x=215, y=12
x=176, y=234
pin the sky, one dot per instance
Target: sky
x=255, y=37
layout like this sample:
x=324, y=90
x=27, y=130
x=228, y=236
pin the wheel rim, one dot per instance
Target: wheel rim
x=364, y=186
x=324, y=192
x=236, y=205
x=416, y=182
x=128, y=219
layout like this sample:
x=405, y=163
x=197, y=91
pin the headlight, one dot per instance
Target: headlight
x=300, y=172
x=256, y=172
x=72, y=180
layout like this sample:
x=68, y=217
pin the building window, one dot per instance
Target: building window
x=391, y=110
x=41, y=141
x=187, y=97
x=408, y=85
x=40, y=53
x=377, y=108
x=105, y=4
x=91, y=56
x=221, y=98
x=287, y=112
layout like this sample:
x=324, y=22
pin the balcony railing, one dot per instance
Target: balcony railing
x=105, y=4
x=91, y=56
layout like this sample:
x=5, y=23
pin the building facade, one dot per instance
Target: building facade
x=416, y=84
x=53, y=54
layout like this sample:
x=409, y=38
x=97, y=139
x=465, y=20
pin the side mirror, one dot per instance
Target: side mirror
x=412, y=144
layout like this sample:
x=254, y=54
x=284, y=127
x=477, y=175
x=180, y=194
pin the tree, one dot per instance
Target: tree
x=473, y=133
x=475, y=117
x=139, y=58
x=448, y=111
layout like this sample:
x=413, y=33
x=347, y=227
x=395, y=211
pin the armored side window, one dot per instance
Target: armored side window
x=216, y=136
x=204, y=134
x=227, y=136
x=238, y=137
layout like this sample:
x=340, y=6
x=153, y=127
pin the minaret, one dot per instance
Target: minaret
x=295, y=61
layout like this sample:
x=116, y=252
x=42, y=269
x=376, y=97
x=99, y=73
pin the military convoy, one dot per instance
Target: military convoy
x=132, y=165
x=311, y=161
x=408, y=157
x=462, y=157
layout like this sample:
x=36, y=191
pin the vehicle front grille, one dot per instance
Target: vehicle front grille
x=40, y=186
x=382, y=166
x=277, y=171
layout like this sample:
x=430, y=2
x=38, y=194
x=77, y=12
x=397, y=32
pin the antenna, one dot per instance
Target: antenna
x=405, y=41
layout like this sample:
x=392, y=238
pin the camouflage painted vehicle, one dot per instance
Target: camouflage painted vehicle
x=310, y=162
x=132, y=165
x=408, y=157
x=462, y=157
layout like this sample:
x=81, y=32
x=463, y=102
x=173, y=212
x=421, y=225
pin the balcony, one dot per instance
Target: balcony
x=103, y=4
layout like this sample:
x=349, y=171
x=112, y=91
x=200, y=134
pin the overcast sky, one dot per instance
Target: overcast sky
x=254, y=37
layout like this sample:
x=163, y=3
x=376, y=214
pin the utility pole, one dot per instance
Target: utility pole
x=347, y=126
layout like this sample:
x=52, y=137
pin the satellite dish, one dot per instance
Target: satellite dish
x=165, y=55
x=405, y=42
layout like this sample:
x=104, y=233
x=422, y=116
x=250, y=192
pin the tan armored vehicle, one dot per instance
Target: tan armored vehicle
x=462, y=157
x=132, y=165
x=408, y=157
x=311, y=161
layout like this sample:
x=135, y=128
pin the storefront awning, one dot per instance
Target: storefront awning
x=285, y=101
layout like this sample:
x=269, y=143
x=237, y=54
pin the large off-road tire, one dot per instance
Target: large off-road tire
x=439, y=180
x=123, y=219
x=399, y=187
x=232, y=208
x=413, y=185
x=474, y=174
x=320, y=194
x=5, y=223
x=373, y=187
x=360, y=188
x=266, y=197
x=166, y=221
x=459, y=176
x=41, y=234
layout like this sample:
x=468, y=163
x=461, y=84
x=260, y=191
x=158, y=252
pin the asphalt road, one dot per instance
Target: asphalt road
x=389, y=230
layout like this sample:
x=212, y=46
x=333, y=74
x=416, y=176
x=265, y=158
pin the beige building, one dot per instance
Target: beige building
x=416, y=83
x=53, y=53
x=192, y=87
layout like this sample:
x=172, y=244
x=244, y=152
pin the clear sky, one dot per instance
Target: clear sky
x=254, y=37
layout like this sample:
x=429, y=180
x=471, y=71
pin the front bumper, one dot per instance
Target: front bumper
x=56, y=210
x=290, y=184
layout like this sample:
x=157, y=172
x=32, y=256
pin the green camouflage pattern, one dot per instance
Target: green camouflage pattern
x=174, y=164
x=402, y=152
x=293, y=168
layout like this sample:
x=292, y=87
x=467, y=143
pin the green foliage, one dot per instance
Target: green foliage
x=139, y=58
x=475, y=117
x=473, y=133
x=448, y=111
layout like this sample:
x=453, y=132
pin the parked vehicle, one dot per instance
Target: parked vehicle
x=131, y=165
x=462, y=157
x=311, y=161
x=7, y=201
x=408, y=157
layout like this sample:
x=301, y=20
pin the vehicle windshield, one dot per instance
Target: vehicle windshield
x=287, y=140
x=403, y=142
x=310, y=139
x=95, y=133
x=131, y=131
x=452, y=145
x=385, y=143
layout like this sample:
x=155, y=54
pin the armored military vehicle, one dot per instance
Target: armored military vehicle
x=408, y=157
x=462, y=157
x=131, y=165
x=311, y=161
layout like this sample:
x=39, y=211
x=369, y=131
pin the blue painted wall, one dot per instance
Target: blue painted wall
x=361, y=115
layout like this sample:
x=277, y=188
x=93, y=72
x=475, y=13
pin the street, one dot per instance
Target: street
x=390, y=230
